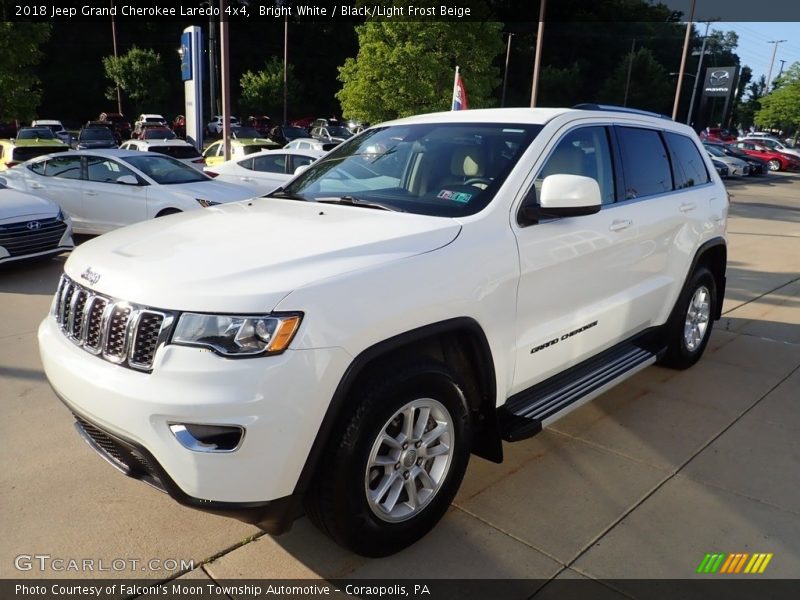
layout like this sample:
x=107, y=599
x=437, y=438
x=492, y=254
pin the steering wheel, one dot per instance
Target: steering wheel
x=479, y=182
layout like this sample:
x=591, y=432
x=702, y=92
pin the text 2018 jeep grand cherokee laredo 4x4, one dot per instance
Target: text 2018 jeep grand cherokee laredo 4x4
x=430, y=288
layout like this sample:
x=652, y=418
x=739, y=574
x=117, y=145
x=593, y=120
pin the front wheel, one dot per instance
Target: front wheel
x=400, y=459
x=774, y=165
x=690, y=324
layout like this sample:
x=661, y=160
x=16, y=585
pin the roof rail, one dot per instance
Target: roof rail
x=622, y=109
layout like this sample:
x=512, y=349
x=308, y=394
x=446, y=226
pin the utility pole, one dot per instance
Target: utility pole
x=697, y=76
x=780, y=71
x=772, y=60
x=630, y=68
x=505, y=71
x=537, y=61
x=114, y=41
x=683, y=62
x=226, y=88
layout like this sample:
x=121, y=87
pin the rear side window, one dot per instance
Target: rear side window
x=66, y=167
x=688, y=167
x=275, y=163
x=644, y=162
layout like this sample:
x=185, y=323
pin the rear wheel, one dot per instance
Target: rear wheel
x=392, y=473
x=689, y=327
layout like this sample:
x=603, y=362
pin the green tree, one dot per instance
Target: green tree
x=19, y=54
x=262, y=91
x=405, y=68
x=650, y=87
x=781, y=107
x=140, y=75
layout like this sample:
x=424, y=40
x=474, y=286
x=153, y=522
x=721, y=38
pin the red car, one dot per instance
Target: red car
x=777, y=161
x=717, y=134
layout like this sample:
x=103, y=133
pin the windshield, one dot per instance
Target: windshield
x=437, y=169
x=158, y=134
x=341, y=132
x=97, y=133
x=294, y=133
x=245, y=132
x=36, y=133
x=715, y=150
x=165, y=170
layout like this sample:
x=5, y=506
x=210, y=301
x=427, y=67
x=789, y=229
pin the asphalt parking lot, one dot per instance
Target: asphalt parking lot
x=642, y=483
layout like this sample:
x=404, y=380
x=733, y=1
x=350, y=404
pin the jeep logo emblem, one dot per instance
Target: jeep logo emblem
x=90, y=276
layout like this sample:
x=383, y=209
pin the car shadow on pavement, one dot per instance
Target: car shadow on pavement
x=32, y=277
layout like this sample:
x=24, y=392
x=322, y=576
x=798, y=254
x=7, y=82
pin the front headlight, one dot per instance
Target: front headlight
x=234, y=335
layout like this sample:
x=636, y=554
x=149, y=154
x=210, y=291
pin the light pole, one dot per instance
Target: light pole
x=630, y=69
x=505, y=71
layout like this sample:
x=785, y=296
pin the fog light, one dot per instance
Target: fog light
x=208, y=438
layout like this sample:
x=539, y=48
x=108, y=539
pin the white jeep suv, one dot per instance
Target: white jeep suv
x=430, y=288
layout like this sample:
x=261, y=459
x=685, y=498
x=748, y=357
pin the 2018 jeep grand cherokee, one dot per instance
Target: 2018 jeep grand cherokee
x=432, y=287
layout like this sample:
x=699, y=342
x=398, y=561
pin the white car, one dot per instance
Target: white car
x=736, y=166
x=150, y=118
x=772, y=144
x=55, y=126
x=178, y=149
x=31, y=227
x=310, y=144
x=215, y=125
x=437, y=286
x=266, y=170
x=102, y=190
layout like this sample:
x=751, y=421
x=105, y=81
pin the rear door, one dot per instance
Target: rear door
x=573, y=297
x=59, y=179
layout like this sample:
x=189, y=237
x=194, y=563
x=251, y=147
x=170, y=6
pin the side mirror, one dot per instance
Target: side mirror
x=127, y=180
x=562, y=196
x=300, y=169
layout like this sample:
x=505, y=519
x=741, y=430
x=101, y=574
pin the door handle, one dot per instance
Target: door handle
x=244, y=179
x=620, y=224
x=688, y=206
x=37, y=186
x=90, y=193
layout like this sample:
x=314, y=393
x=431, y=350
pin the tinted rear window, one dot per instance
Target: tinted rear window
x=645, y=163
x=26, y=153
x=258, y=148
x=688, y=166
x=176, y=151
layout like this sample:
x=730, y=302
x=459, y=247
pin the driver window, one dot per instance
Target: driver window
x=585, y=152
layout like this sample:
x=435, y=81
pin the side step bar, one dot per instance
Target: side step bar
x=526, y=413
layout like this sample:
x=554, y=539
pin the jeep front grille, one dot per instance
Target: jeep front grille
x=120, y=332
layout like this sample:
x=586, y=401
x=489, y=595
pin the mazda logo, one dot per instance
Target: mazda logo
x=33, y=225
x=719, y=78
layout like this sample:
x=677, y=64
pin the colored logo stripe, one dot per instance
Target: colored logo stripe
x=720, y=562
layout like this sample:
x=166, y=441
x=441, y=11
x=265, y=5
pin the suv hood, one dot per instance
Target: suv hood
x=246, y=257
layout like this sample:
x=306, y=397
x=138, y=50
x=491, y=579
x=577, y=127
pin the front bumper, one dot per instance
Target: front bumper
x=279, y=400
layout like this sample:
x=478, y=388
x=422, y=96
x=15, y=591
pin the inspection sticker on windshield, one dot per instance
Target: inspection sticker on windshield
x=461, y=197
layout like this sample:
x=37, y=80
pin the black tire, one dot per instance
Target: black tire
x=338, y=504
x=683, y=351
x=168, y=211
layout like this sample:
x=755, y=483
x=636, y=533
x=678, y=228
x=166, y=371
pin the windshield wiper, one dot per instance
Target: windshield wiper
x=281, y=193
x=353, y=201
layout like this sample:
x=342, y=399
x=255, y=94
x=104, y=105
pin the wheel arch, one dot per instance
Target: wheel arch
x=460, y=343
x=714, y=255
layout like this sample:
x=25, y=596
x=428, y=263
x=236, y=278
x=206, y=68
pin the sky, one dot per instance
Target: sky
x=754, y=48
